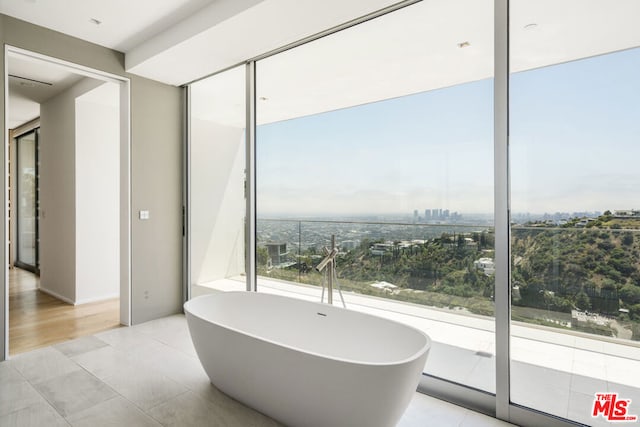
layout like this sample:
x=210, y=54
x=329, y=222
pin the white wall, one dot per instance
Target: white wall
x=97, y=182
x=217, y=201
x=68, y=268
x=57, y=197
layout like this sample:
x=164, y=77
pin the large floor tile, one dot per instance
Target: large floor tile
x=113, y=412
x=43, y=365
x=126, y=338
x=483, y=375
x=9, y=375
x=103, y=362
x=623, y=371
x=207, y=391
x=587, y=385
x=450, y=362
x=627, y=392
x=475, y=419
x=235, y=411
x=144, y=387
x=190, y=410
x=75, y=392
x=80, y=345
x=542, y=389
x=174, y=364
x=428, y=411
x=580, y=407
x=172, y=331
x=16, y=396
x=37, y=415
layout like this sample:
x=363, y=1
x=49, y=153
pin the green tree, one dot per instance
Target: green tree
x=583, y=302
x=262, y=255
x=630, y=294
x=634, y=312
x=627, y=238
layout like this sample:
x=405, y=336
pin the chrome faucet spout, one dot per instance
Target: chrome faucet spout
x=330, y=276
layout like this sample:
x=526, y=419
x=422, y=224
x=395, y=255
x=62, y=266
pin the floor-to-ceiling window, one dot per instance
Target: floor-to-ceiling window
x=216, y=182
x=575, y=245
x=27, y=201
x=380, y=137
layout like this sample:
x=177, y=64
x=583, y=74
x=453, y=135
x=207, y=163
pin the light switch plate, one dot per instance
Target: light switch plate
x=144, y=214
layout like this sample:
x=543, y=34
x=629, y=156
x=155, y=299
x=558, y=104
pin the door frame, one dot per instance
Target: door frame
x=125, y=181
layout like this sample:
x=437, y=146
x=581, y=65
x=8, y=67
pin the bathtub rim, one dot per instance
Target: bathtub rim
x=415, y=356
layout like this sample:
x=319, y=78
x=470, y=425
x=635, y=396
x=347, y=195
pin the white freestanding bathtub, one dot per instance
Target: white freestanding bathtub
x=304, y=363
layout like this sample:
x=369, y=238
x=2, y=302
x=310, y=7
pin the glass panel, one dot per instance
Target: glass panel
x=381, y=136
x=574, y=132
x=217, y=182
x=27, y=201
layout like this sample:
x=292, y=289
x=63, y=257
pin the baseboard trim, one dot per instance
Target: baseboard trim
x=97, y=299
x=57, y=295
x=80, y=301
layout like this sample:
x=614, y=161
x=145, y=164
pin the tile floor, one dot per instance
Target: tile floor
x=148, y=375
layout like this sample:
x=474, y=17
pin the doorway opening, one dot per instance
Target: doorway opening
x=67, y=191
x=26, y=210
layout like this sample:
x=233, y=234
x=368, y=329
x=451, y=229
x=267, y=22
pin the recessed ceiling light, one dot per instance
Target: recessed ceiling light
x=95, y=21
x=530, y=26
x=464, y=44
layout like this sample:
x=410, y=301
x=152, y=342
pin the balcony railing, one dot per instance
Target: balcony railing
x=407, y=262
x=570, y=278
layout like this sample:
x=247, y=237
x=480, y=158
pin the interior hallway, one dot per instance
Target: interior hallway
x=37, y=319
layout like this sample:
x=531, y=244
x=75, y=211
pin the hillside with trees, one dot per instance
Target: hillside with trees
x=557, y=271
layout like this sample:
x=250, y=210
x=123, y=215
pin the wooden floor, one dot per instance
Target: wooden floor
x=37, y=319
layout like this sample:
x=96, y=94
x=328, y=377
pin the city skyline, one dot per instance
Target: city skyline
x=407, y=217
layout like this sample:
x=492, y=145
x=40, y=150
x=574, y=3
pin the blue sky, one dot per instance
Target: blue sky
x=575, y=135
x=575, y=140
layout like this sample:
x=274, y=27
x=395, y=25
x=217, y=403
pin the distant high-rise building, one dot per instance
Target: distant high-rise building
x=427, y=214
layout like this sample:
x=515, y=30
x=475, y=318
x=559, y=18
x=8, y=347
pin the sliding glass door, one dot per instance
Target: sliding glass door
x=575, y=244
x=27, y=201
x=379, y=137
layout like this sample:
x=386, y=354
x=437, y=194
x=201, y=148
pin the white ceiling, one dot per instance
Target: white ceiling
x=32, y=82
x=417, y=49
x=177, y=41
x=125, y=23
x=251, y=29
